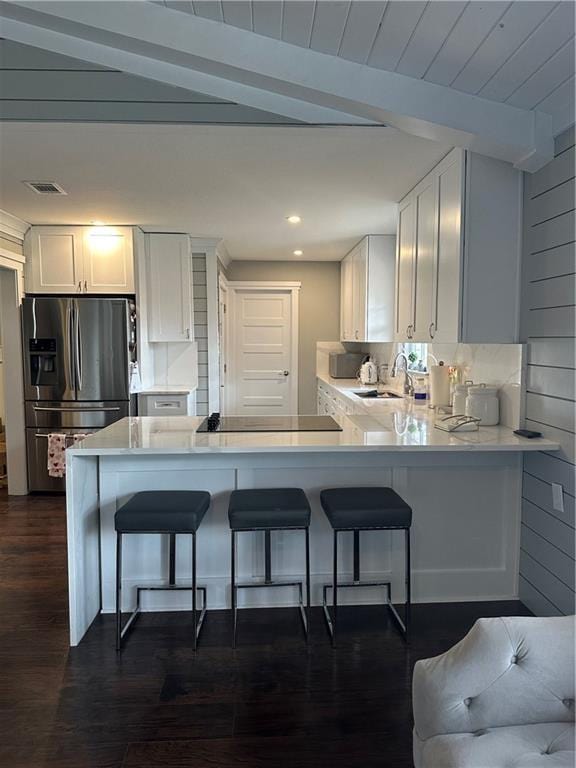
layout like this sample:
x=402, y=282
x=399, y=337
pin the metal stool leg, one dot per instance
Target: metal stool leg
x=408, y=606
x=194, y=624
x=335, y=587
x=172, y=560
x=308, y=605
x=118, y=591
x=233, y=584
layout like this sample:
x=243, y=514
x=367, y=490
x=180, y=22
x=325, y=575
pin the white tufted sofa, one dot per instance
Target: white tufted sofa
x=503, y=697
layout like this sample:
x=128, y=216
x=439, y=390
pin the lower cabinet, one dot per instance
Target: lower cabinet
x=167, y=404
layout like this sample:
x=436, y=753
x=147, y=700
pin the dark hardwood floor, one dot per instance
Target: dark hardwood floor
x=273, y=702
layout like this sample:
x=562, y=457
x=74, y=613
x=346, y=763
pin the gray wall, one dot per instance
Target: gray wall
x=319, y=310
x=45, y=86
x=201, y=330
x=549, y=267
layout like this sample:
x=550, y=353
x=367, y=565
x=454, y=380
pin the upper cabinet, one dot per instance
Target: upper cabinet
x=108, y=260
x=96, y=260
x=458, y=253
x=367, y=290
x=170, y=311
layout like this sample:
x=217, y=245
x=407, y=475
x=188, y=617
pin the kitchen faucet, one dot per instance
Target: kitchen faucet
x=408, y=382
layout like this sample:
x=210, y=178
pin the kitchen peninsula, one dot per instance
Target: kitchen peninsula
x=464, y=490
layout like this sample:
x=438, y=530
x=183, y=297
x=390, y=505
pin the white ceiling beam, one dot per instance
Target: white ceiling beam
x=272, y=67
x=171, y=74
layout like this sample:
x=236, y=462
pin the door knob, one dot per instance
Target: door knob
x=286, y=373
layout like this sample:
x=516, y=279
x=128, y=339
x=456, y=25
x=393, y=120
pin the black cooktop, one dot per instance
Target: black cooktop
x=217, y=423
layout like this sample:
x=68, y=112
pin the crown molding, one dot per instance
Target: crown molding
x=12, y=225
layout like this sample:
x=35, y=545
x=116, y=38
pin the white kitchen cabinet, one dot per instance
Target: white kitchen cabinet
x=458, y=253
x=79, y=260
x=108, y=260
x=54, y=260
x=167, y=403
x=367, y=290
x=170, y=312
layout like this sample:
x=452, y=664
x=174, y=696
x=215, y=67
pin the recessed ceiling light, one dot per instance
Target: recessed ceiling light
x=298, y=253
x=97, y=223
x=293, y=219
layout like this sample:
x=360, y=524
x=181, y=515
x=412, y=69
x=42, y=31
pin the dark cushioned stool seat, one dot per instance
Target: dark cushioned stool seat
x=163, y=512
x=268, y=508
x=358, y=508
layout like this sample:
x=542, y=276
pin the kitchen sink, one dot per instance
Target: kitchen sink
x=373, y=393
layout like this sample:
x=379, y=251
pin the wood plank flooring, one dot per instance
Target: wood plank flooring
x=273, y=702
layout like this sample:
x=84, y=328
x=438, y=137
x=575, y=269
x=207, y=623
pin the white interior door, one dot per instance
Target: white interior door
x=263, y=345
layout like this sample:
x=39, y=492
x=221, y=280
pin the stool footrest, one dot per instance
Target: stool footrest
x=163, y=587
x=252, y=584
x=348, y=584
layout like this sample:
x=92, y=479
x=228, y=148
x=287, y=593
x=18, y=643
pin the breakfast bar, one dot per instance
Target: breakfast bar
x=464, y=489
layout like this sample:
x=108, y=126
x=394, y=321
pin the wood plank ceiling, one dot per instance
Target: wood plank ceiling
x=520, y=53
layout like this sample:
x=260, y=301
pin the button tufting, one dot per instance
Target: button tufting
x=514, y=660
x=481, y=732
x=467, y=702
x=568, y=702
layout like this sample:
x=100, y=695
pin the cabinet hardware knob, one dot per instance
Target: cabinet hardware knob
x=432, y=330
x=410, y=331
x=85, y=286
x=286, y=373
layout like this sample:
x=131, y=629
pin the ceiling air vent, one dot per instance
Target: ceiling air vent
x=45, y=187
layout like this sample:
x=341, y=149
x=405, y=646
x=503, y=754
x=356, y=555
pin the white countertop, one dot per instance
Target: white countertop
x=394, y=426
x=168, y=389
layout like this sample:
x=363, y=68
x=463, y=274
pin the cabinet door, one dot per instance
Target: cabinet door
x=54, y=260
x=447, y=288
x=360, y=289
x=108, y=260
x=170, y=315
x=405, y=251
x=425, y=260
x=346, y=299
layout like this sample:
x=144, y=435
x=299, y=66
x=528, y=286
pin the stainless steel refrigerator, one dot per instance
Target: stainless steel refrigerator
x=77, y=355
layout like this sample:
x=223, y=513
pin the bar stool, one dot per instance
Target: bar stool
x=269, y=509
x=168, y=512
x=365, y=509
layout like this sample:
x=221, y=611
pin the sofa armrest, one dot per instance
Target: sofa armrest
x=506, y=671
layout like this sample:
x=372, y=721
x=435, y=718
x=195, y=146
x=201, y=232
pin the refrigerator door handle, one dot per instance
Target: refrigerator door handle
x=70, y=344
x=74, y=410
x=78, y=344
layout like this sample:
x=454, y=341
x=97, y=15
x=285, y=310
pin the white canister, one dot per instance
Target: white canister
x=482, y=402
x=459, y=399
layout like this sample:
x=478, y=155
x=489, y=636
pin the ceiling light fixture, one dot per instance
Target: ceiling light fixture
x=293, y=219
x=298, y=253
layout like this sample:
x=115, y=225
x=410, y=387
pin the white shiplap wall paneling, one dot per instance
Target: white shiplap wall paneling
x=550, y=528
x=547, y=546
x=556, y=261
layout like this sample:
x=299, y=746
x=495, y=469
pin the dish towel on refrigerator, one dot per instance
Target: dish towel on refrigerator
x=56, y=459
x=57, y=450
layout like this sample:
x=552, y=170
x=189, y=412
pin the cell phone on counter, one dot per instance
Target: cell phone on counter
x=529, y=433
